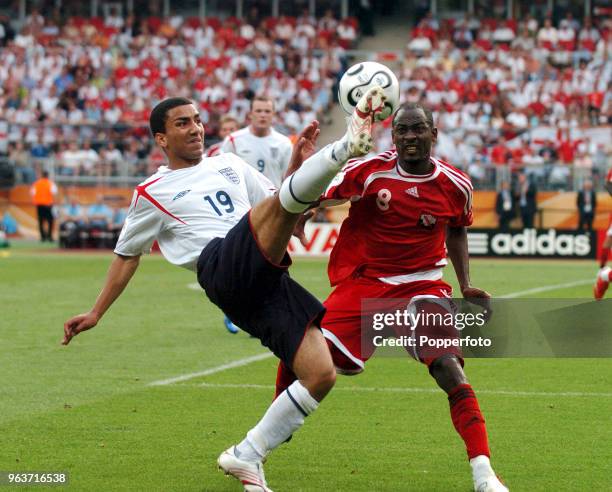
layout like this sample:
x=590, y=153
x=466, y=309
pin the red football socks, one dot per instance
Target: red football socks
x=468, y=420
x=603, y=259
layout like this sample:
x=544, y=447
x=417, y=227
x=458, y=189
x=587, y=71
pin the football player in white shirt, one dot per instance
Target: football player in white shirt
x=227, y=125
x=260, y=145
x=223, y=220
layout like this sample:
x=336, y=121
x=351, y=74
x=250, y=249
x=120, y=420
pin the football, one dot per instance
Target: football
x=360, y=77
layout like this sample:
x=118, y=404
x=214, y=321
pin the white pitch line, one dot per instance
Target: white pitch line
x=255, y=358
x=213, y=370
x=545, y=288
x=366, y=389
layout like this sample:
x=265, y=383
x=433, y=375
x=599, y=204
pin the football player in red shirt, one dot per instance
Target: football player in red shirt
x=407, y=210
x=604, y=276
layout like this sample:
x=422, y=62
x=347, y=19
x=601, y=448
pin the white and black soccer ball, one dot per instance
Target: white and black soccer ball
x=360, y=77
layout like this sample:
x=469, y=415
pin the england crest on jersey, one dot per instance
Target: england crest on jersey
x=274, y=152
x=231, y=175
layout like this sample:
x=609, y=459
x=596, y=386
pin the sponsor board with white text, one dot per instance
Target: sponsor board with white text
x=526, y=243
x=532, y=243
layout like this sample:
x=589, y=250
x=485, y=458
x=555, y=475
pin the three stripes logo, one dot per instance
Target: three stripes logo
x=478, y=243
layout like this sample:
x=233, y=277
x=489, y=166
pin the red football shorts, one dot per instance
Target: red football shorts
x=342, y=323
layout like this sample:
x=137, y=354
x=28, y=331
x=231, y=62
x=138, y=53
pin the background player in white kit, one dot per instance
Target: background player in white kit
x=222, y=219
x=260, y=145
x=227, y=125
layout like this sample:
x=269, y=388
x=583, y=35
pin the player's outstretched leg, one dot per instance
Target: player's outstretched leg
x=468, y=421
x=314, y=367
x=604, y=277
x=273, y=220
x=306, y=185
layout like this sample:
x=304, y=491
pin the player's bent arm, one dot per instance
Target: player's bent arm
x=457, y=247
x=119, y=275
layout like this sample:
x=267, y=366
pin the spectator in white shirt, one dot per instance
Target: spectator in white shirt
x=588, y=36
x=114, y=19
x=503, y=34
x=566, y=37
x=328, y=22
x=283, y=30
x=547, y=35
x=346, y=34
x=35, y=21
x=420, y=45
x=524, y=41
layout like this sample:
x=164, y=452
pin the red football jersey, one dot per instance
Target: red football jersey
x=397, y=221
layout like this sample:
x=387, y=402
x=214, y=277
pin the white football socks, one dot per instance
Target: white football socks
x=307, y=184
x=481, y=467
x=281, y=420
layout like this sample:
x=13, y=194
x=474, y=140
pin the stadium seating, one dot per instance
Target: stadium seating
x=493, y=84
x=95, y=79
x=535, y=96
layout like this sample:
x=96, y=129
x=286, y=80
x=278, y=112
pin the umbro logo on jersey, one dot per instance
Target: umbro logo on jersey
x=413, y=191
x=181, y=194
x=229, y=174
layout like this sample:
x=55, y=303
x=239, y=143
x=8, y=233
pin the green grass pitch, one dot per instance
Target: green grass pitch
x=88, y=409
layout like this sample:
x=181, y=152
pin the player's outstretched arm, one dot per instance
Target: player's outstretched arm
x=119, y=274
x=457, y=246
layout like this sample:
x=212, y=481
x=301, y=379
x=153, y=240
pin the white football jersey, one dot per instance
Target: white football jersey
x=185, y=208
x=269, y=155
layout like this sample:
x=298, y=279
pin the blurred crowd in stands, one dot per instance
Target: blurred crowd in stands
x=511, y=93
x=515, y=93
x=70, y=85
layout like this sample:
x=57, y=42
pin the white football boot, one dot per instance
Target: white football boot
x=250, y=474
x=490, y=484
x=359, y=128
